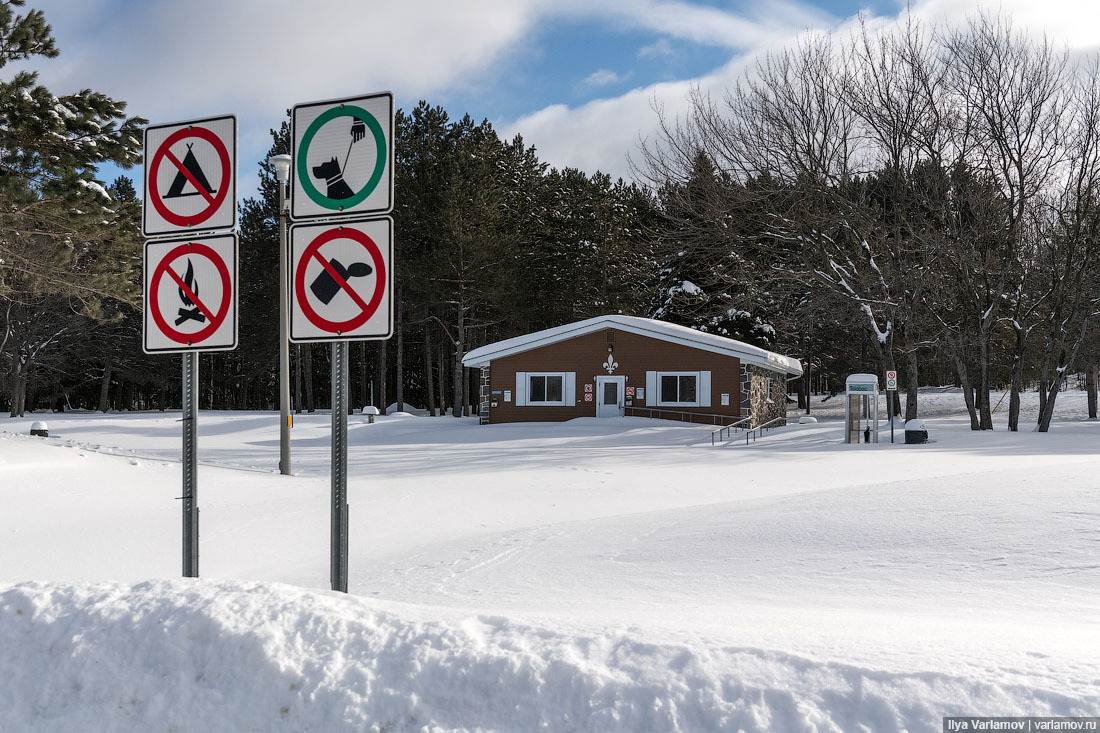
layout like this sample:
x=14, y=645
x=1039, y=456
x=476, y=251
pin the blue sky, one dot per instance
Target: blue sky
x=577, y=78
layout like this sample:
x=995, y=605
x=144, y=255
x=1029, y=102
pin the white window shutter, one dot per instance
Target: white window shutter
x=704, y=389
x=651, y=396
x=521, y=389
x=570, y=388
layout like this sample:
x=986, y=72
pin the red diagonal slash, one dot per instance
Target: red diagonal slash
x=340, y=281
x=187, y=174
x=194, y=298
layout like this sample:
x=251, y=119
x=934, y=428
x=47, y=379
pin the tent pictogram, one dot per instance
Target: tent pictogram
x=200, y=187
x=190, y=294
x=341, y=281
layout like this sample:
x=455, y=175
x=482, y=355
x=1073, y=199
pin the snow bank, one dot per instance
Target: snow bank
x=223, y=656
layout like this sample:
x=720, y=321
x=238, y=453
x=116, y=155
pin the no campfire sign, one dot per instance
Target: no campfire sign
x=341, y=280
x=342, y=157
x=190, y=176
x=190, y=294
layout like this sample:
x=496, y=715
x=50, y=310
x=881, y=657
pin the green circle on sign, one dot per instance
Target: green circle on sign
x=379, y=165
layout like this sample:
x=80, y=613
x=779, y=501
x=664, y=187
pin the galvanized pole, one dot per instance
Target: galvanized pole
x=190, y=461
x=282, y=174
x=339, y=556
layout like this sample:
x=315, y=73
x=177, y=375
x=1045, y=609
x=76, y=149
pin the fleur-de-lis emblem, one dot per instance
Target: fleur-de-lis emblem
x=610, y=365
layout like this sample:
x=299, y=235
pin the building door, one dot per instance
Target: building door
x=609, y=396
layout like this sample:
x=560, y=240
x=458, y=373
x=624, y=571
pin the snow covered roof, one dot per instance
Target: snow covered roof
x=643, y=327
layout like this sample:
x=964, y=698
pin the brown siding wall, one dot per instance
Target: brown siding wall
x=635, y=355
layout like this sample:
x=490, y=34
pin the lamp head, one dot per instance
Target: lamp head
x=282, y=167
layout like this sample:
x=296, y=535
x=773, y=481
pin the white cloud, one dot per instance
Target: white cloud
x=601, y=78
x=256, y=58
x=658, y=49
x=604, y=133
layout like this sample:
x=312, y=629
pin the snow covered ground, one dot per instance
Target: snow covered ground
x=611, y=575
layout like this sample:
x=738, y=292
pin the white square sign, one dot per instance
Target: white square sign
x=342, y=157
x=341, y=280
x=190, y=176
x=190, y=294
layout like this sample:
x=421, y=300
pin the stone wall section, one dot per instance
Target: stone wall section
x=764, y=408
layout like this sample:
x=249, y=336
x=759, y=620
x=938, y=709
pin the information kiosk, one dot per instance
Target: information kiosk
x=861, y=409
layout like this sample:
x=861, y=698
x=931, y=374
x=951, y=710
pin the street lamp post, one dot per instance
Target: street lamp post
x=282, y=174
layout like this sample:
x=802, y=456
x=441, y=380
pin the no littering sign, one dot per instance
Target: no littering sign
x=190, y=176
x=190, y=294
x=341, y=281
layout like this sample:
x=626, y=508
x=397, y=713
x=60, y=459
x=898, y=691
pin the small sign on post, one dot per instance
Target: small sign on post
x=891, y=386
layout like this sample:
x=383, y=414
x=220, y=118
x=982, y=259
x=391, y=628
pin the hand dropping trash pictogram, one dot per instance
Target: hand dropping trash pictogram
x=193, y=313
x=332, y=172
x=325, y=286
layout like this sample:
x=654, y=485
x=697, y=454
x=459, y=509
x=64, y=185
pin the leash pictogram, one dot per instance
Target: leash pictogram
x=341, y=281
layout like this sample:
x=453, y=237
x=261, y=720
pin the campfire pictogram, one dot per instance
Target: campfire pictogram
x=192, y=312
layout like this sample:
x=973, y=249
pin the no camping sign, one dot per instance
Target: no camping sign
x=341, y=280
x=342, y=157
x=190, y=176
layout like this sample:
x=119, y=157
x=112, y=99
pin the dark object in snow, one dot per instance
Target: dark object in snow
x=40, y=429
x=915, y=432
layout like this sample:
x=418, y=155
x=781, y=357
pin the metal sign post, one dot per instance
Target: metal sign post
x=891, y=387
x=190, y=282
x=190, y=463
x=340, y=279
x=339, y=557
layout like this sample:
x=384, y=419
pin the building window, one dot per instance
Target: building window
x=679, y=388
x=546, y=389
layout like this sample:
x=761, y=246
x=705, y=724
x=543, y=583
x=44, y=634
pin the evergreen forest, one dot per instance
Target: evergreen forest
x=912, y=198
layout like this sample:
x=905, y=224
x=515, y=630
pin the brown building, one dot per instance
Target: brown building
x=612, y=366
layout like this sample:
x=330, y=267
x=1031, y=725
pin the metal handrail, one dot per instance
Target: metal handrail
x=682, y=413
x=727, y=429
x=759, y=429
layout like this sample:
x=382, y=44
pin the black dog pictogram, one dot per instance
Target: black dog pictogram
x=330, y=172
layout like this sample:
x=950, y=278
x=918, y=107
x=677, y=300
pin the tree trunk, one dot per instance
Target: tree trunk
x=19, y=393
x=1017, y=383
x=297, y=379
x=442, y=383
x=104, y=386
x=1090, y=385
x=1048, y=408
x=912, y=383
x=428, y=371
x=381, y=377
x=985, y=414
x=307, y=369
x=363, y=378
x=399, y=363
x=460, y=337
x=964, y=382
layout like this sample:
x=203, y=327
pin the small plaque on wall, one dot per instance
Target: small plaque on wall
x=640, y=393
x=507, y=395
x=725, y=399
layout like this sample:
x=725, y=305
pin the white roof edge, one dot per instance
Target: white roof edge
x=642, y=326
